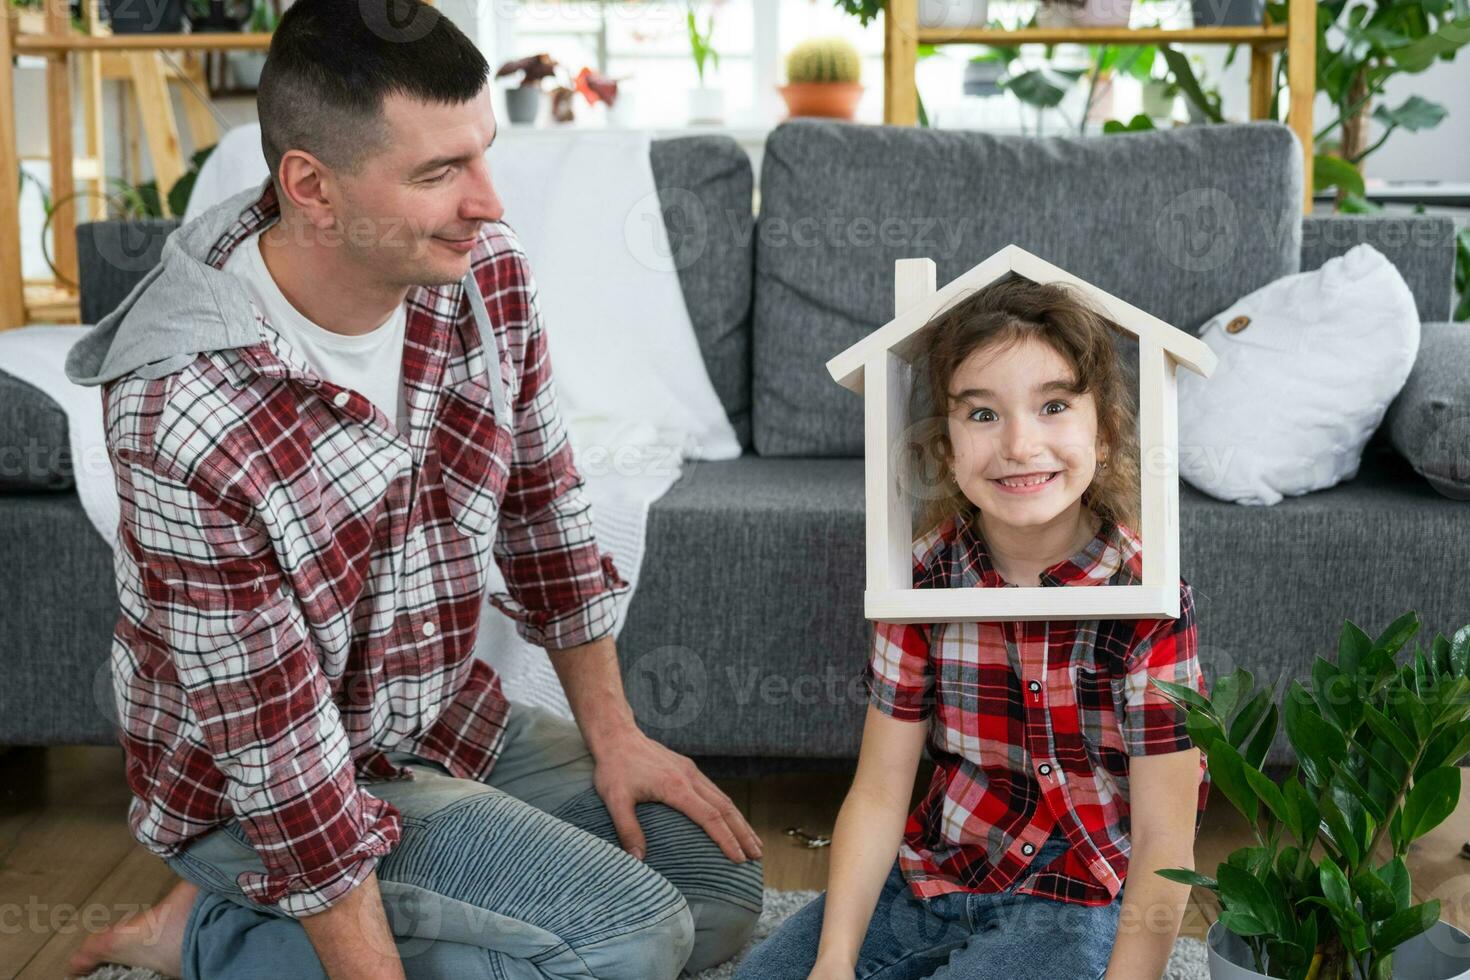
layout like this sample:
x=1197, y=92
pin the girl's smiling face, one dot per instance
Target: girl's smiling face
x=1014, y=417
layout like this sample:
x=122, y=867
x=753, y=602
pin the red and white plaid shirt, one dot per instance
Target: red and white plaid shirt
x=301, y=584
x=1032, y=724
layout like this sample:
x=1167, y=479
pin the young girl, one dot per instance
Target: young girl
x=1060, y=772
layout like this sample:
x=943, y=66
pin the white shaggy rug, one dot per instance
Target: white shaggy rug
x=1188, y=962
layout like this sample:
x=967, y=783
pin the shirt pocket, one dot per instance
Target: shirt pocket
x=474, y=456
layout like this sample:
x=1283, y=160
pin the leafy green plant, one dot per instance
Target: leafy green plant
x=823, y=59
x=1377, y=745
x=866, y=11
x=263, y=19
x=1361, y=45
x=700, y=44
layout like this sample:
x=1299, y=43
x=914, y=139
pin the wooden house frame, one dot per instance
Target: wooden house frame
x=879, y=367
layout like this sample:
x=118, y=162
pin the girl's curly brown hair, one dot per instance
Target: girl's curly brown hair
x=998, y=316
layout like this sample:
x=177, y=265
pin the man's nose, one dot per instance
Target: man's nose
x=484, y=203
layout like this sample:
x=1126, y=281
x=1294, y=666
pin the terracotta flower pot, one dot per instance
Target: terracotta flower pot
x=835, y=100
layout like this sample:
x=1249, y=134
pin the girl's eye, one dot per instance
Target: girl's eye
x=973, y=415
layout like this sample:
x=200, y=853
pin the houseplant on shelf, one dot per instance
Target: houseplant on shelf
x=524, y=101
x=822, y=78
x=706, y=105
x=1361, y=47
x=1324, y=892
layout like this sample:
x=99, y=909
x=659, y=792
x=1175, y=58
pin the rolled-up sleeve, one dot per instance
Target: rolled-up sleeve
x=1168, y=651
x=899, y=674
x=252, y=680
x=562, y=589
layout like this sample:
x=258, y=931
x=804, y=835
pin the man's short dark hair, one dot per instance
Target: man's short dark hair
x=332, y=62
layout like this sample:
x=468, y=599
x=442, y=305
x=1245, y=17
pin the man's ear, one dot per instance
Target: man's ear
x=309, y=186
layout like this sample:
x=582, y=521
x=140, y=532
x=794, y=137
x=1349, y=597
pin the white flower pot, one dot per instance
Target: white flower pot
x=1442, y=953
x=707, y=105
x=953, y=13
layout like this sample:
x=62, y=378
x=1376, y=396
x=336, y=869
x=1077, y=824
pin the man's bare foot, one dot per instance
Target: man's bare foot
x=151, y=938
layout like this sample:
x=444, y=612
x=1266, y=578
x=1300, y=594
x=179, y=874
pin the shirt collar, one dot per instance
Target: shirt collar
x=1109, y=558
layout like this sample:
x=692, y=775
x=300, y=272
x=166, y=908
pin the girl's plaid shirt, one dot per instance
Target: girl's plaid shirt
x=301, y=585
x=1031, y=724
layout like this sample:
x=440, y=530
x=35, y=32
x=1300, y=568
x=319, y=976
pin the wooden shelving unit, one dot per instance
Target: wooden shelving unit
x=102, y=56
x=1297, y=37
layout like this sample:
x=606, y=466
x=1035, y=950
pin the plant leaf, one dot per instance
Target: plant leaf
x=1405, y=925
x=1430, y=801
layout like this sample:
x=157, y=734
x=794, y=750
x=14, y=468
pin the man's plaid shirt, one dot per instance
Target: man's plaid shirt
x=301, y=585
x=1032, y=724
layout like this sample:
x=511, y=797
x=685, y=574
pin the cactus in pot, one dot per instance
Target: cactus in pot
x=823, y=78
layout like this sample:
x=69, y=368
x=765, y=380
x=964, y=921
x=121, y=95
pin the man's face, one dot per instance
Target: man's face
x=426, y=196
x=1011, y=418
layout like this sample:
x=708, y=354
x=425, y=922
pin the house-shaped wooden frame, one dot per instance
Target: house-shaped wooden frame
x=879, y=367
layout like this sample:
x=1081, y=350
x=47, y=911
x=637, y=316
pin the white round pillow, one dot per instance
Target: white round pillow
x=1308, y=365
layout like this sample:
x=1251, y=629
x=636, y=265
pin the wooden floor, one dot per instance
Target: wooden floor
x=69, y=866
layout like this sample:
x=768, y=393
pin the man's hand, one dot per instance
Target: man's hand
x=633, y=769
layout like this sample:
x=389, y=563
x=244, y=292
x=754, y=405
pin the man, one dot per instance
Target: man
x=329, y=408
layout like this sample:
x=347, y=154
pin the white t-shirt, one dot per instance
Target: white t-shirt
x=370, y=363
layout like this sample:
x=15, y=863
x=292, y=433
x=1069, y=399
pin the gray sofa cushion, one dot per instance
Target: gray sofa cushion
x=34, y=454
x=706, y=191
x=1429, y=421
x=757, y=646
x=1421, y=247
x=1181, y=223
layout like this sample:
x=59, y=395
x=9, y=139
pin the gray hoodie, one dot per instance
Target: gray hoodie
x=181, y=307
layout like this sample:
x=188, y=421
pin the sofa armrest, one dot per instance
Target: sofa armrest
x=1421, y=247
x=1429, y=422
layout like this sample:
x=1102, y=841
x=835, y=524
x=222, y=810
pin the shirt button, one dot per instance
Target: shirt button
x=1045, y=769
x=428, y=629
x=1027, y=848
x=1034, y=685
x=341, y=400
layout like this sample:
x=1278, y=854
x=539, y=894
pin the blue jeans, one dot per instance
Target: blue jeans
x=955, y=936
x=517, y=878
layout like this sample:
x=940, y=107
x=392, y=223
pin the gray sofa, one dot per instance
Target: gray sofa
x=745, y=641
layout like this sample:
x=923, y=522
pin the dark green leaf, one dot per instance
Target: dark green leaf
x=1187, y=877
x=1227, y=773
x=1377, y=897
x=1352, y=646
x=1260, y=743
x=1385, y=729
x=1242, y=891
x=1430, y=801
x=1331, y=171
x=1405, y=925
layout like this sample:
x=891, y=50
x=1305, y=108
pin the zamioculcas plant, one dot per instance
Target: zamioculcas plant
x=1324, y=893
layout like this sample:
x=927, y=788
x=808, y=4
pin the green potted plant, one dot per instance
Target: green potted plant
x=1323, y=892
x=1361, y=48
x=822, y=78
x=524, y=100
x=706, y=104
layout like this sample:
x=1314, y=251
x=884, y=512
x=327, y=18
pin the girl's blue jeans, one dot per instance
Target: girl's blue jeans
x=516, y=878
x=956, y=936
